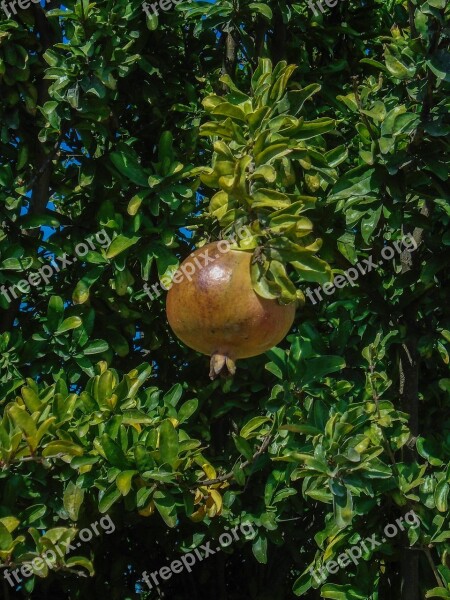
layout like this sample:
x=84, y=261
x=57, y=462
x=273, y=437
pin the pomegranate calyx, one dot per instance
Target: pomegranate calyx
x=221, y=365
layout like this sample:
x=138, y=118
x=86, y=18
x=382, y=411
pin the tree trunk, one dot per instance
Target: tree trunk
x=409, y=368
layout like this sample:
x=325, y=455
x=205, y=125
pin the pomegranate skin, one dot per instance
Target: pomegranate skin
x=212, y=308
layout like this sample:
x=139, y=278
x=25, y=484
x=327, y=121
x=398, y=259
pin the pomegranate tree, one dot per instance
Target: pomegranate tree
x=213, y=308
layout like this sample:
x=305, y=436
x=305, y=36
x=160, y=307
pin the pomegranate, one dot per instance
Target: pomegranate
x=212, y=308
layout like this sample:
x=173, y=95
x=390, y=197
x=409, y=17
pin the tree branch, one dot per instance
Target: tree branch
x=230, y=475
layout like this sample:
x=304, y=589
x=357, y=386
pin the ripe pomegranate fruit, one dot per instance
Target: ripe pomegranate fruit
x=212, y=308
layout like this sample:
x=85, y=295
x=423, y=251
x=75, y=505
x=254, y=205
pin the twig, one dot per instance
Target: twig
x=412, y=25
x=75, y=571
x=54, y=152
x=39, y=459
x=387, y=443
x=433, y=567
x=364, y=118
x=230, y=475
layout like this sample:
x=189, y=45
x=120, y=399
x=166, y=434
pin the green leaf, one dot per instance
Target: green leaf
x=108, y=498
x=135, y=203
x=211, y=129
x=263, y=198
x=346, y=246
x=16, y=264
x=311, y=129
x=315, y=369
x=128, y=166
x=266, y=172
x=441, y=496
x=374, y=63
x=173, y=395
x=229, y=110
x=252, y=425
x=168, y=442
x=312, y=268
x=11, y=523
x=261, y=9
x=187, y=409
x=336, y=156
x=32, y=514
x=80, y=561
x=294, y=100
x=31, y=399
x=243, y=447
x=302, y=584
x=321, y=494
x=124, y=481
x=396, y=67
x=113, y=452
x=235, y=95
x=343, y=509
x=259, y=548
x=72, y=500
x=152, y=21
x=35, y=221
x=438, y=593
x=120, y=244
x=357, y=182
x=350, y=102
x=64, y=447
x=306, y=429
x=278, y=280
x=239, y=475
x=25, y=423
x=164, y=476
x=95, y=347
x=55, y=312
x=428, y=449
x=440, y=64
x=81, y=292
x=269, y=521
x=68, y=324
x=369, y=223
x=341, y=592
x=271, y=152
x=166, y=506
x=6, y=540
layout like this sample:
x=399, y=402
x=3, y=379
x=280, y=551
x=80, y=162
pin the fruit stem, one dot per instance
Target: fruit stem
x=223, y=365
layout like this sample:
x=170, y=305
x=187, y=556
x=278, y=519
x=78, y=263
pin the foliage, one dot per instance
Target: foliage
x=261, y=133
x=169, y=131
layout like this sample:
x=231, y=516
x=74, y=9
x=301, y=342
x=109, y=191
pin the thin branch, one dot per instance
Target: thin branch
x=412, y=25
x=56, y=151
x=387, y=443
x=433, y=567
x=38, y=459
x=364, y=118
x=75, y=571
x=230, y=475
x=253, y=64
